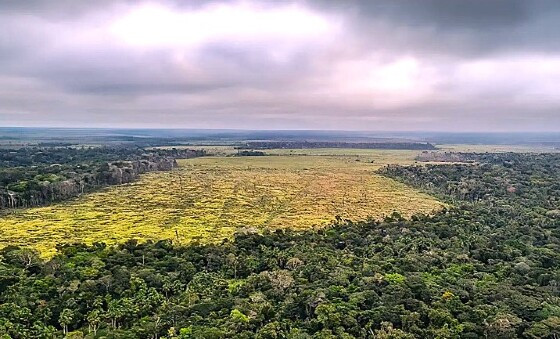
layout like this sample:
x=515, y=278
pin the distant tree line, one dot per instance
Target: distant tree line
x=486, y=267
x=532, y=179
x=489, y=158
x=335, y=144
x=38, y=176
x=250, y=153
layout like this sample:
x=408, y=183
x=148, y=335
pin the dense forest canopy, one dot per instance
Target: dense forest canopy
x=488, y=267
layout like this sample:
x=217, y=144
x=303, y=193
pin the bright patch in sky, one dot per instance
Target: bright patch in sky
x=381, y=83
x=536, y=76
x=154, y=25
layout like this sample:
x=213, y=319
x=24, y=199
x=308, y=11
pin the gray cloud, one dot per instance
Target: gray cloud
x=461, y=28
x=430, y=64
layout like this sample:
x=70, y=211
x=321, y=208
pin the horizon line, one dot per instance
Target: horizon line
x=280, y=130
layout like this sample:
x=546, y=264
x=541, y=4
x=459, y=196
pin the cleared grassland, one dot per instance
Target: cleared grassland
x=207, y=199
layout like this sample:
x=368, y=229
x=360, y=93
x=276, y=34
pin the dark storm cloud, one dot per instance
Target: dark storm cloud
x=446, y=15
x=458, y=27
x=392, y=64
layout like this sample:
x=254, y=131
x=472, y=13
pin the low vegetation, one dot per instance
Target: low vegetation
x=207, y=199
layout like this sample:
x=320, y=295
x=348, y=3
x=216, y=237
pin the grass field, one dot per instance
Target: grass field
x=207, y=199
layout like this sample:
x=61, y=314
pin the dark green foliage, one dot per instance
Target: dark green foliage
x=251, y=153
x=487, y=268
x=38, y=176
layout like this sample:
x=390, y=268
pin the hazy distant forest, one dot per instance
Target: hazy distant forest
x=480, y=259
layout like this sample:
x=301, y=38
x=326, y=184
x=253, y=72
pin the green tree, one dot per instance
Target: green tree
x=65, y=319
x=94, y=320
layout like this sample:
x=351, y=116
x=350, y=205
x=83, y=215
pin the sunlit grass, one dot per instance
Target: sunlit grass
x=207, y=199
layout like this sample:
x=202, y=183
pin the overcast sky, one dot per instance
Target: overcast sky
x=464, y=65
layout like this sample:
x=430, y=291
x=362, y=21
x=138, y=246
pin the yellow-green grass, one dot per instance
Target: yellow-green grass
x=207, y=199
